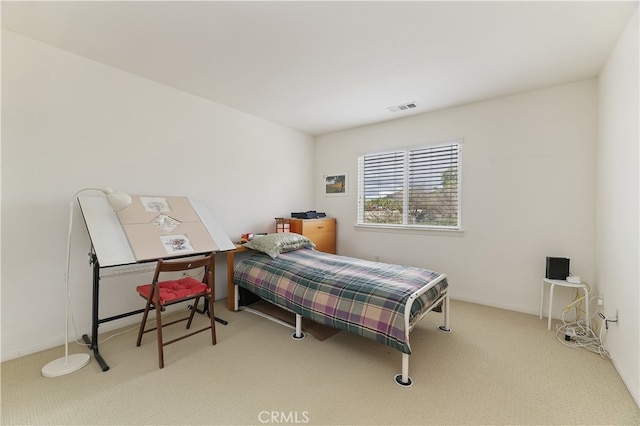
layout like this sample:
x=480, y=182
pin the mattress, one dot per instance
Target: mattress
x=363, y=297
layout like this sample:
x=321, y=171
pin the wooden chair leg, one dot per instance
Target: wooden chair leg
x=194, y=309
x=159, y=332
x=143, y=324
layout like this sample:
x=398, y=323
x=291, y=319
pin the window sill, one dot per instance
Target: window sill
x=408, y=229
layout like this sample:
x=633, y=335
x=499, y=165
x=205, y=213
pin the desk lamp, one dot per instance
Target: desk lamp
x=70, y=363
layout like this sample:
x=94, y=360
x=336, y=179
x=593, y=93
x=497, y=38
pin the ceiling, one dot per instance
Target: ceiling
x=320, y=67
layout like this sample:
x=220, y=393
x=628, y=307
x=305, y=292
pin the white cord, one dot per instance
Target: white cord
x=581, y=335
x=150, y=321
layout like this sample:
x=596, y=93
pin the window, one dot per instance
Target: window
x=417, y=187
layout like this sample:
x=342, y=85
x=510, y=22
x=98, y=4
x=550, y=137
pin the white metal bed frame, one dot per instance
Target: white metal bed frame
x=402, y=379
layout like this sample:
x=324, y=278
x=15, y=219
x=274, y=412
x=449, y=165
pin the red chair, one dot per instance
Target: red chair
x=160, y=294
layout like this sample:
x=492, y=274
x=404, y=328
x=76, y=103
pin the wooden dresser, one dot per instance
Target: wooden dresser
x=321, y=231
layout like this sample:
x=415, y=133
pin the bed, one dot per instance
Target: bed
x=376, y=300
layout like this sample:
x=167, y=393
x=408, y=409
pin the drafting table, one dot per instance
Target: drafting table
x=110, y=247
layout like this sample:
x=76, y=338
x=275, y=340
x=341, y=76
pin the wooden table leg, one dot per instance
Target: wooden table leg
x=230, y=286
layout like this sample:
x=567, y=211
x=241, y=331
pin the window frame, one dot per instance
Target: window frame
x=405, y=226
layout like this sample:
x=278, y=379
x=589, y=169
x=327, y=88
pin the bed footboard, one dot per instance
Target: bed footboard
x=403, y=378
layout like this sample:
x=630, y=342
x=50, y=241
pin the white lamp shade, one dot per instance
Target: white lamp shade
x=117, y=200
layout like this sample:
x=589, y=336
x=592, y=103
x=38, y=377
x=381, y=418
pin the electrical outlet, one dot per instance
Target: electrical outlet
x=600, y=300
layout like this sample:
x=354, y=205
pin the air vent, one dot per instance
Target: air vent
x=402, y=107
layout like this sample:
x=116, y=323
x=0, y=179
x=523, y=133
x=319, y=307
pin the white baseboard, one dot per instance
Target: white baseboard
x=76, y=344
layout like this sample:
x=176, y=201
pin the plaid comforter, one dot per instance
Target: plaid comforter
x=359, y=296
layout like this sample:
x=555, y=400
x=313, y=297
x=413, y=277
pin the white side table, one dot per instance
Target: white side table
x=563, y=283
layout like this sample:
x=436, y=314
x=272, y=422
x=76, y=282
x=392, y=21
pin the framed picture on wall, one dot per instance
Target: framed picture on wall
x=335, y=184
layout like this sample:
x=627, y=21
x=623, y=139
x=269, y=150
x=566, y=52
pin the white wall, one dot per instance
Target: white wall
x=528, y=185
x=618, y=213
x=528, y=176
x=70, y=123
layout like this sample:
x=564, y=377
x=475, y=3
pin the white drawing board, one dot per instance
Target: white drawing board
x=136, y=238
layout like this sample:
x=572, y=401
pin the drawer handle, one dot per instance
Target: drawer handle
x=320, y=227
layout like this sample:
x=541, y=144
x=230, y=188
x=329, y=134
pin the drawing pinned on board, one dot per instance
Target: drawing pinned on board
x=166, y=223
x=176, y=244
x=155, y=204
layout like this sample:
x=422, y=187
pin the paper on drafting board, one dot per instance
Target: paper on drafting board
x=177, y=244
x=167, y=223
x=155, y=204
x=149, y=232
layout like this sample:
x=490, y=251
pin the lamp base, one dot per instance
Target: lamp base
x=65, y=365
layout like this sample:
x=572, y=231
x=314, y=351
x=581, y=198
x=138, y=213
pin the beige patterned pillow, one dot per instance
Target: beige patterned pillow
x=274, y=244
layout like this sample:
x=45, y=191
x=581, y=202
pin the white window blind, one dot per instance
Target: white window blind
x=412, y=187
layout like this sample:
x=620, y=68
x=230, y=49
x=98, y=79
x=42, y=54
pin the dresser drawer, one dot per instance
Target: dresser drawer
x=319, y=227
x=321, y=231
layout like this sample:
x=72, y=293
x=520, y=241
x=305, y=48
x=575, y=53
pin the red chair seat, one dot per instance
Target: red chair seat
x=174, y=289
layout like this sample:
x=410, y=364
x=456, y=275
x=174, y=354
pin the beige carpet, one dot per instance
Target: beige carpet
x=497, y=367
